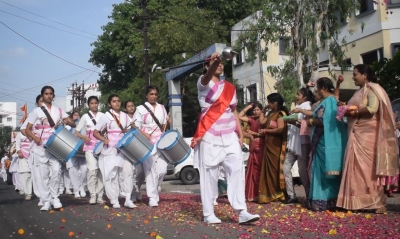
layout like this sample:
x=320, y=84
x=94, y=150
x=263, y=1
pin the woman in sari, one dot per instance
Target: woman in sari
x=272, y=182
x=328, y=142
x=256, y=155
x=371, y=152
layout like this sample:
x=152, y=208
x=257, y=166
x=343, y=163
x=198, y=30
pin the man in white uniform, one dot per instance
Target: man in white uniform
x=216, y=143
x=22, y=144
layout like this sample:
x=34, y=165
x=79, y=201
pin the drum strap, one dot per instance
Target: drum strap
x=91, y=117
x=117, y=121
x=51, y=121
x=153, y=116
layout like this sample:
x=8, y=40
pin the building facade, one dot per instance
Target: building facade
x=8, y=114
x=371, y=34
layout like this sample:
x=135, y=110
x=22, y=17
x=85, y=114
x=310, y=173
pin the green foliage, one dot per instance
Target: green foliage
x=312, y=26
x=5, y=137
x=388, y=72
x=287, y=83
x=174, y=27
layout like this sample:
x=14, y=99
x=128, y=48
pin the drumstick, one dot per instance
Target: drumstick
x=153, y=131
x=165, y=126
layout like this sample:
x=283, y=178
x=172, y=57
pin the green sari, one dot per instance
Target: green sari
x=328, y=144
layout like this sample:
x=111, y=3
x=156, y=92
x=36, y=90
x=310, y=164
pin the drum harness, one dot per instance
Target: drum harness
x=51, y=121
x=154, y=118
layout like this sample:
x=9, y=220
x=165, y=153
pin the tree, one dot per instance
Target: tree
x=5, y=137
x=388, y=72
x=175, y=28
x=311, y=25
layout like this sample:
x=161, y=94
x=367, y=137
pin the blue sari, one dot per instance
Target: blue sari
x=328, y=144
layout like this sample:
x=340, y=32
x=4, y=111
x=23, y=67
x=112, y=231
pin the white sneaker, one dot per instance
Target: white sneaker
x=212, y=219
x=46, y=206
x=61, y=191
x=129, y=204
x=116, y=205
x=82, y=192
x=245, y=217
x=153, y=203
x=40, y=204
x=21, y=192
x=28, y=197
x=92, y=200
x=77, y=195
x=56, y=203
x=68, y=191
x=100, y=200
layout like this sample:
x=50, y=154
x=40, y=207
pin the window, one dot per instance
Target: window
x=366, y=6
x=372, y=56
x=252, y=93
x=238, y=59
x=9, y=119
x=340, y=19
x=284, y=43
x=240, y=95
x=394, y=2
x=395, y=48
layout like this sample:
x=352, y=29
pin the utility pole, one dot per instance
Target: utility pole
x=146, y=50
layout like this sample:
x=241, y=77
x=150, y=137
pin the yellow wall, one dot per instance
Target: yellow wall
x=369, y=43
x=347, y=84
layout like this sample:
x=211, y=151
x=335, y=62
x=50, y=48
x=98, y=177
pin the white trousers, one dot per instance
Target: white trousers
x=232, y=164
x=65, y=181
x=147, y=171
x=126, y=178
x=94, y=177
x=161, y=168
x=25, y=178
x=15, y=180
x=4, y=175
x=35, y=176
x=49, y=176
x=26, y=182
x=78, y=173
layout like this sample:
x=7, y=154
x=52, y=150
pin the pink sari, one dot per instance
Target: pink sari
x=371, y=154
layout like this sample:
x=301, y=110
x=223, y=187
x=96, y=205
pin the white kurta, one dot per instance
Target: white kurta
x=111, y=160
x=22, y=144
x=145, y=122
x=49, y=167
x=219, y=147
x=94, y=177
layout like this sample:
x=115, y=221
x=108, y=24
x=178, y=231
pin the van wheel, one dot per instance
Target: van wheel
x=189, y=175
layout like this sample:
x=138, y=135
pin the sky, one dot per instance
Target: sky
x=25, y=68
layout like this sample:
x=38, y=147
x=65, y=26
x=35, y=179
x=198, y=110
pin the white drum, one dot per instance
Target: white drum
x=135, y=146
x=63, y=144
x=173, y=147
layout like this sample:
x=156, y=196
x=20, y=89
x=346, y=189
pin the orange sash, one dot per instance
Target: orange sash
x=214, y=112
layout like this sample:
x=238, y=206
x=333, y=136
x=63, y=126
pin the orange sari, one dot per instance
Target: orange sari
x=272, y=181
x=371, y=153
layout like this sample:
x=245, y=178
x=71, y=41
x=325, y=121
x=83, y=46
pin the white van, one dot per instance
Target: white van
x=189, y=175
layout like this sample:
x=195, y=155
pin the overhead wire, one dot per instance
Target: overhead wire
x=47, y=18
x=47, y=25
x=60, y=79
x=45, y=49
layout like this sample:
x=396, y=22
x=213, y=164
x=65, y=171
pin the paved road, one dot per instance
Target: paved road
x=179, y=216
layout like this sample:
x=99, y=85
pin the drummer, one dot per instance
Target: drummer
x=45, y=119
x=89, y=122
x=76, y=167
x=112, y=163
x=151, y=118
x=130, y=109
